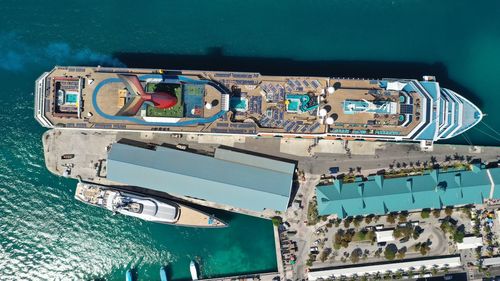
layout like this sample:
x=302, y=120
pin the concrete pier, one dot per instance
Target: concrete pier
x=82, y=154
x=260, y=276
x=90, y=151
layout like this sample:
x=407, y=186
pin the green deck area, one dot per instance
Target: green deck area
x=175, y=111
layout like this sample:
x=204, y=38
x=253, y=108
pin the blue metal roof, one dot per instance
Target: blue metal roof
x=435, y=189
x=239, y=184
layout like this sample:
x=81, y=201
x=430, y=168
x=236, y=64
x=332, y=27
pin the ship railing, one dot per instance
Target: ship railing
x=40, y=90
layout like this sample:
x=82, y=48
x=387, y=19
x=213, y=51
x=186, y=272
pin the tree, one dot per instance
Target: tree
x=337, y=239
x=397, y=233
x=448, y=211
x=360, y=235
x=389, y=253
x=424, y=249
x=370, y=235
x=347, y=222
x=324, y=254
x=434, y=271
x=466, y=210
x=425, y=213
x=401, y=254
x=376, y=218
x=357, y=221
x=436, y=213
x=458, y=236
x=276, y=220
x=402, y=217
x=337, y=223
x=368, y=219
x=355, y=255
x=422, y=271
x=415, y=234
x=391, y=218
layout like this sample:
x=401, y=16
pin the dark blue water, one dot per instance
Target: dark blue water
x=45, y=234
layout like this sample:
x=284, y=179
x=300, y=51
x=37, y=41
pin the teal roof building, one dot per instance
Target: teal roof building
x=435, y=189
x=230, y=178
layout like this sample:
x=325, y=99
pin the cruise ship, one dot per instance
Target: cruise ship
x=245, y=103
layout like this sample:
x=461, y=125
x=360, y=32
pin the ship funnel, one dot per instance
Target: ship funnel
x=161, y=100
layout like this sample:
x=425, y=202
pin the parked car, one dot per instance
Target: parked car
x=404, y=239
x=403, y=224
x=181, y=146
x=67, y=156
x=334, y=170
x=379, y=227
x=381, y=244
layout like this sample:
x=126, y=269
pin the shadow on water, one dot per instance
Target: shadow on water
x=215, y=59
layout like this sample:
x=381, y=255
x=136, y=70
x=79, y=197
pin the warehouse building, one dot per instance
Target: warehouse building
x=230, y=178
x=384, y=267
x=435, y=189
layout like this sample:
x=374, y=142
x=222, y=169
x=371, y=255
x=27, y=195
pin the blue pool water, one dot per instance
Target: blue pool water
x=293, y=105
x=240, y=104
x=71, y=98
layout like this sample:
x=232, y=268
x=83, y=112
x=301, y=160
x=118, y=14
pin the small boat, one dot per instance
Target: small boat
x=163, y=274
x=128, y=275
x=193, y=270
x=142, y=207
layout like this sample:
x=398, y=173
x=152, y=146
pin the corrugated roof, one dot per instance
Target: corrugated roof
x=360, y=269
x=253, y=160
x=183, y=173
x=491, y=261
x=432, y=190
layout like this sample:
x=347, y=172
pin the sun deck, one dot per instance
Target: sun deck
x=185, y=216
x=249, y=104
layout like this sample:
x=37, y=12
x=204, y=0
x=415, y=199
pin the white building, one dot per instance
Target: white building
x=385, y=235
x=382, y=268
x=491, y=261
x=471, y=242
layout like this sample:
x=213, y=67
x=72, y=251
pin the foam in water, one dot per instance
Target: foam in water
x=17, y=55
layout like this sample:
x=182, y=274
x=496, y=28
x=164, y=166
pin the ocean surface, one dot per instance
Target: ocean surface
x=46, y=235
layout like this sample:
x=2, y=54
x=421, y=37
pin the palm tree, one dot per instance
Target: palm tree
x=422, y=271
x=410, y=273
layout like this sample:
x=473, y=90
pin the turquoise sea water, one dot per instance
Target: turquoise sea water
x=45, y=234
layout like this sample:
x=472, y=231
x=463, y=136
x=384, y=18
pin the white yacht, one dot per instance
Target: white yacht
x=142, y=207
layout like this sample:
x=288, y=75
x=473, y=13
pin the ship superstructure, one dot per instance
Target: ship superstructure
x=144, y=207
x=242, y=103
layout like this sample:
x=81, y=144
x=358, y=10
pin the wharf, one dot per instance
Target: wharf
x=86, y=154
x=89, y=148
x=260, y=276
